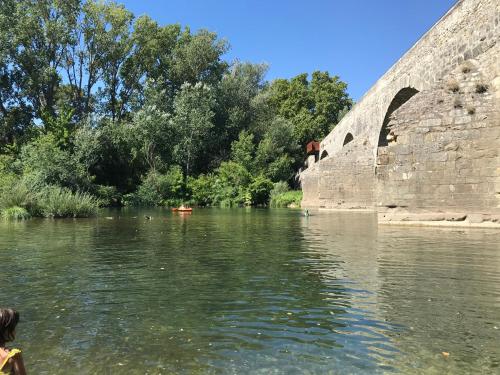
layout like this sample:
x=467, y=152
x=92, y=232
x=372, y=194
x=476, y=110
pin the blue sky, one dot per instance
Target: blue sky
x=357, y=39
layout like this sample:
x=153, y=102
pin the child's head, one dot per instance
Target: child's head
x=8, y=321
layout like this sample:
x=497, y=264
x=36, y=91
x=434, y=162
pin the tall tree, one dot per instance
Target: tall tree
x=15, y=113
x=198, y=58
x=117, y=43
x=102, y=43
x=43, y=33
x=153, y=130
x=235, y=92
x=149, y=61
x=243, y=150
x=312, y=106
x=192, y=121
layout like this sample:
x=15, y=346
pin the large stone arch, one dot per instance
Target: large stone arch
x=398, y=100
x=443, y=158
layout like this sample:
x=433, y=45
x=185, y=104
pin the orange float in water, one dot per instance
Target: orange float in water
x=182, y=209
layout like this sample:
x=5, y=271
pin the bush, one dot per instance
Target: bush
x=7, y=165
x=131, y=199
x=15, y=213
x=14, y=192
x=107, y=153
x=43, y=163
x=55, y=202
x=281, y=169
x=107, y=195
x=286, y=199
x=280, y=188
x=202, y=189
x=228, y=187
x=260, y=190
x=160, y=189
x=17, y=199
x=281, y=196
x=231, y=185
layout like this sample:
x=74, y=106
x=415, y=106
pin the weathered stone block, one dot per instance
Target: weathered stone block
x=431, y=122
x=475, y=218
x=455, y=216
x=451, y=147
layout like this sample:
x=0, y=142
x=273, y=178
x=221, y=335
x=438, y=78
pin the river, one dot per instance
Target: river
x=251, y=291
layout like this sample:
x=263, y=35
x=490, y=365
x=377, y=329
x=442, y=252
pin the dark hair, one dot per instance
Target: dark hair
x=8, y=322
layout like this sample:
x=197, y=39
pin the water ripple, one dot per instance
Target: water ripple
x=251, y=291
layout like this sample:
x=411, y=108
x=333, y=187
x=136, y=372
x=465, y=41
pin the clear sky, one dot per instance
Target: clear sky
x=357, y=40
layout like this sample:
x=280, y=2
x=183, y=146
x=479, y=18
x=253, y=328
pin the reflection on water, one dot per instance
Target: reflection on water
x=251, y=291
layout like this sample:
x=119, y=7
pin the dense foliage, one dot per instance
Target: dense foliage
x=98, y=104
x=282, y=196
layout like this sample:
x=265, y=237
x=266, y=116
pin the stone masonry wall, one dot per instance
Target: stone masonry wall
x=347, y=180
x=444, y=153
x=310, y=186
x=444, y=161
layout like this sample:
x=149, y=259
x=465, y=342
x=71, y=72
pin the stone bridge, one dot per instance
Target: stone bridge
x=423, y=143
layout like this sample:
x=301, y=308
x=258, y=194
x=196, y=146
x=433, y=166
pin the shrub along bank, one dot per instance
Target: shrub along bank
x=19, y=202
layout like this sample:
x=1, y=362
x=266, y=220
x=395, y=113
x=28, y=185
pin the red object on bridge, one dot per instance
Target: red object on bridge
x=312, y=148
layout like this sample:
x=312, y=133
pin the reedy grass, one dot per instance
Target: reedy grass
x=15, y=213
x=54, y=202
x=286, y=199
x=16, y=194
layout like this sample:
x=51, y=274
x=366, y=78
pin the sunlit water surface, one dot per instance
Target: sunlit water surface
x=251, y=292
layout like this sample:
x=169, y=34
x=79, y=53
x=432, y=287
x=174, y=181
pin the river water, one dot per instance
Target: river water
x=251, y=291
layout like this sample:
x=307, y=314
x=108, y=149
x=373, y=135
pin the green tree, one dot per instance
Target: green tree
x=92, y=98
x=15, y=113
x=43, y=163
x=232, y=184
x=115, y=161
x=243, y=150
x=117, y=43
x=61, y=126
x=198, y=58
x=153, y=130
x=260, y=190
x=192, y=122
x=101, y=45
x=87, y=144
x=278, y=153
x=149, y=61
x=160, y=189
x=235, y=93
x=313, y=106
x=44, y=31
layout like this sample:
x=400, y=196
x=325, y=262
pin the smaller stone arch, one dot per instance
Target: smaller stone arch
x=324, y=154
x=348, y=138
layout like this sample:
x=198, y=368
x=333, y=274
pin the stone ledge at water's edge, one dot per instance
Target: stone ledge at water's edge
x=422, y=145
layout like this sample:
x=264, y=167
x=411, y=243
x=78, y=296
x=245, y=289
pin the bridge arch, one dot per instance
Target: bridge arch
x=401, y=97
x=348, y=138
